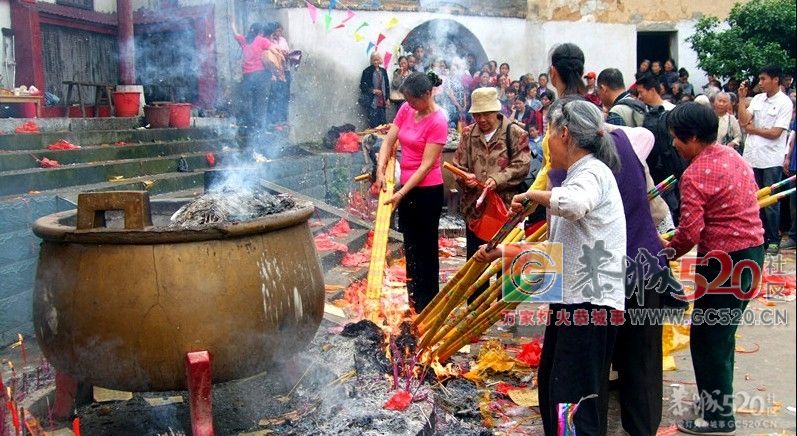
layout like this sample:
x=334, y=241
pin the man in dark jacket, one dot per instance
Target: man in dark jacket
x=374, y=86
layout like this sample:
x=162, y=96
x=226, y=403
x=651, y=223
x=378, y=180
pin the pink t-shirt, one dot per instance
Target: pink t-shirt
x=414, y=135
x=253, y=53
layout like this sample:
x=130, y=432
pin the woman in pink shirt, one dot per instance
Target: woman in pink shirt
x=256, y=79
x=421, y=128
x=719, y=214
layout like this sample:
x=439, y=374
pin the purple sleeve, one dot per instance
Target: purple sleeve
x=438, y=130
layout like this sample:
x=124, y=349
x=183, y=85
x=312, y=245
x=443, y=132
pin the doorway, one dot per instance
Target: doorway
x=656, y=46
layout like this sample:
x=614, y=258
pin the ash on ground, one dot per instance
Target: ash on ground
x=338, y=386
x=230, y=205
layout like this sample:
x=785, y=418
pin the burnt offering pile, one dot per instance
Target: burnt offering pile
x=230, y=205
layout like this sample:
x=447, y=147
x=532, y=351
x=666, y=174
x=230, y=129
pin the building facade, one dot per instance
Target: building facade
x=184, y=49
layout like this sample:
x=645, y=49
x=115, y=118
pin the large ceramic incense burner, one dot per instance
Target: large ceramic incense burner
x=119, y=303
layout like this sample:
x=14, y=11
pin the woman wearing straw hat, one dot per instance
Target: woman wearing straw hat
x=494, y=152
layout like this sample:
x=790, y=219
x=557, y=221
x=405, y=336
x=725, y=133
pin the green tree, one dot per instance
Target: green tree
x=756, y=34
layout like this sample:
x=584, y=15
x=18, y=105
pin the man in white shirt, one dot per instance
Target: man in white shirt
x=766, y=121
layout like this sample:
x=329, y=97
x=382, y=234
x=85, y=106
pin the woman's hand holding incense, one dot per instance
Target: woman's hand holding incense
x=484, y=256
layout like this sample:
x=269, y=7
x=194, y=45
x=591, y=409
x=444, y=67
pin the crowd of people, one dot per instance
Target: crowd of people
x=267, y=62
x=602, y=147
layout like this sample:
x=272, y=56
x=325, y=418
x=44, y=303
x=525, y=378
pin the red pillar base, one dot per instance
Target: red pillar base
x=200, y=382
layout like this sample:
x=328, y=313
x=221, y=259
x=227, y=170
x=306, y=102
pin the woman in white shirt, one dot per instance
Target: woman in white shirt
x=587, y=219
x=728, y=133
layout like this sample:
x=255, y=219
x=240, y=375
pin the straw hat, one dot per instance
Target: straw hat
x=484, y=100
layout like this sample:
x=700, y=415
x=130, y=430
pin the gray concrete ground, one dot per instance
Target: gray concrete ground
x=764, y=382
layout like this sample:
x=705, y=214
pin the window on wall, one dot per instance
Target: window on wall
x=82, y=4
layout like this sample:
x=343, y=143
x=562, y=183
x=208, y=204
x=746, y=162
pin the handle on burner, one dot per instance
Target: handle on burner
x=91, y=208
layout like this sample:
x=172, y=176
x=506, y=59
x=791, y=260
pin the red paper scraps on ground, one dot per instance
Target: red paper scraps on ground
x=211, y=158
x=530, y=353
x=776, y=286
x=348, y=142
x=355, y=291
x=504, y=388
x=397, y=273
x=370, y=241
x=62, y=144
x=400, y=401
x=27, y=127
x=352, y=260
x=340, y=229
x=323, y=242
x=362, y=207
x=444, y=242
x=48, y=163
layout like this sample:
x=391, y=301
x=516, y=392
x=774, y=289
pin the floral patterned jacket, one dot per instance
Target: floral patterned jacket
x=489, y=159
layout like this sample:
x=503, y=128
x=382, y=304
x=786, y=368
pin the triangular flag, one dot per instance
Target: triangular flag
x=313, y=11
x=363, y=24
x=379, y=39
x=327, y=21
x=370, y=47
x=388, y=57
x=332, y=5
x=340, y=26
x=358, y=37
x=349, y=16
x=392, y=23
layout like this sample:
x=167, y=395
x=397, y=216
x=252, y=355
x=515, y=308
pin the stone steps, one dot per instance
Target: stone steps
x=19, y=160
x=42, y=179
x=40, y=141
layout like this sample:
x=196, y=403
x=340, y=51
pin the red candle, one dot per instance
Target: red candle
x=14, y=415
x=76, y=426
x=22, y=349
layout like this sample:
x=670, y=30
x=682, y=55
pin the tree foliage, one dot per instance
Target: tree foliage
x=755, y=34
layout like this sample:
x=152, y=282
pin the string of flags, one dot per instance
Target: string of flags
x=312, y=11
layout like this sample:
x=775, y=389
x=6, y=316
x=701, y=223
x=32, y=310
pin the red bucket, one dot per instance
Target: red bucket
x=157, y=116
x=127, y=103
x=180, y=116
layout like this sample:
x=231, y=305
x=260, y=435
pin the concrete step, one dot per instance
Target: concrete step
x=19, y=160
x=40, y=141
x=41, y=179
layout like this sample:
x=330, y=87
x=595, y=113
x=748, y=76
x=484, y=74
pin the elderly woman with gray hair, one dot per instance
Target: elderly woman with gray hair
x=588, y=220
x=374, y=91
x=728, y=133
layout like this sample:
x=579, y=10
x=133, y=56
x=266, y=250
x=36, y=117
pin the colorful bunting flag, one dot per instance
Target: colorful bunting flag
x=332, y=4
x=327, y=21
x=349, y=16
x=379, y=39
x=388, y=57
x=371, y=46
x=358, y=37
x=393, y=22
x=360, y=27
x=313, y=11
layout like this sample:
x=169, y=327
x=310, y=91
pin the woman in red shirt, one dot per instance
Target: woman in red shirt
x=421, y=128
x=719, y=214
x=256, y=79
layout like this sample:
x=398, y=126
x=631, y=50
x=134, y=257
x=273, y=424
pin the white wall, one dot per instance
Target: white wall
x=604, y=45
x=326, y=86
x=5, y=14
x=687, y=58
